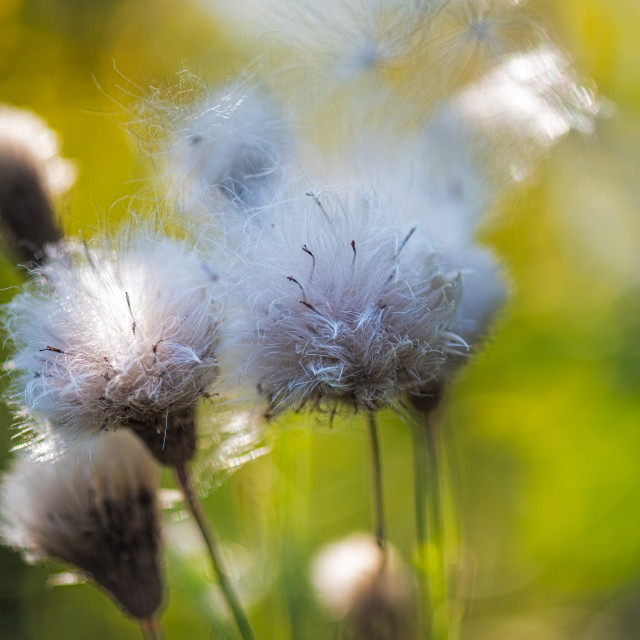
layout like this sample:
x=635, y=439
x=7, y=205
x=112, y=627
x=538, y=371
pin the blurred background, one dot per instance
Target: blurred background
x=546, y=422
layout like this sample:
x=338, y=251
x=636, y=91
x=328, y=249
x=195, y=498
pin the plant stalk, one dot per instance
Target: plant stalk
x=151, y=629
x=183, y=478
x=377, y=497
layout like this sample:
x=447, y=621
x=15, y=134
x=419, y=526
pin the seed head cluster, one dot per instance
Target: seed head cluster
x=313, y=275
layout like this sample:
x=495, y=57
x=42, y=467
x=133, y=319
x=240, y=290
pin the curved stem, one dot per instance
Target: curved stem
x=184, y=482
x=151, y=629
x=376, y=482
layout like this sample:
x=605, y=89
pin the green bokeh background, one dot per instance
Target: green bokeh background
x=546, y=421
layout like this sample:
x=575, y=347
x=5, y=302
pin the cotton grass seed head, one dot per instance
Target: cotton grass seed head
x=31, y=174
x=354, y=582
x=337, y=306
x=94, y=508
x=106, y=337
x=228, y=145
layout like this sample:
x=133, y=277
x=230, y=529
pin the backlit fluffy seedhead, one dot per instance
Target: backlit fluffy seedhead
x=350, y=39
x=31, y=172
x=353, y=582
x=471, y=36
x=227, y=146
x=105, y=338
x=94, y=508
x=338, y=306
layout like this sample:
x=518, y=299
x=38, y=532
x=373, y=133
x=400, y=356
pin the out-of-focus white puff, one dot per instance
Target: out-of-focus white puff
x=350, y=581
x=28, y=139
x=226, y=145
x=510, y=117
x=109, y=334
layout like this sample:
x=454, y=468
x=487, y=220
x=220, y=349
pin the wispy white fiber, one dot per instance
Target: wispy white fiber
x=105, y=335
x=229, y=144
x=519, y=110
x=337, y=305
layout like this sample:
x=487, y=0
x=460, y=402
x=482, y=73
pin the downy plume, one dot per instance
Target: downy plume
x=107, y=336
x=334, y=305
x=369, y=591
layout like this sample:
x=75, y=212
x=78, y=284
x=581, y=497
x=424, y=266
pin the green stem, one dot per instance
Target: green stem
x=183, y=479
x=430, y=531
x=421, y=497
x=376, y=482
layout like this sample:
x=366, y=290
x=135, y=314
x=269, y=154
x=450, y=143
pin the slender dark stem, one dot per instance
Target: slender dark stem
x=376, y=482
x=184, y=481
x=151, y=629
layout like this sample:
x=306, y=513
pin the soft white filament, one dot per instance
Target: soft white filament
x=335, y=304
x=105, y=336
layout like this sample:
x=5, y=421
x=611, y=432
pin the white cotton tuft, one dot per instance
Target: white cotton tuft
x=347, y=40
x=335, y=305
x=353, y=583
x=469, y=37
x=227, y=145
x=106, y=337
x=95, y=508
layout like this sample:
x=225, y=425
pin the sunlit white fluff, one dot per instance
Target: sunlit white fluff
x=350, y=581
x=24, y=134
x=336, y=304
x=437, y=186
x=520, y=109
x=474, y=35
x=110, y=335
x=347, y=40
x=94, y=508
x=224, y=144
x=31, y=173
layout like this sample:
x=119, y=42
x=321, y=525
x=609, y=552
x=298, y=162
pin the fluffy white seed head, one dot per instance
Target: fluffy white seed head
x=95, y=508
x=471, y=36
x=348, y=40
x=31, y=173
x=106, y=337
x=338, y=306
x=224, y=145
x=352, y=583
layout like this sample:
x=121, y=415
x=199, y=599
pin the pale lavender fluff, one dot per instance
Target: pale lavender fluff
x=335, y=305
